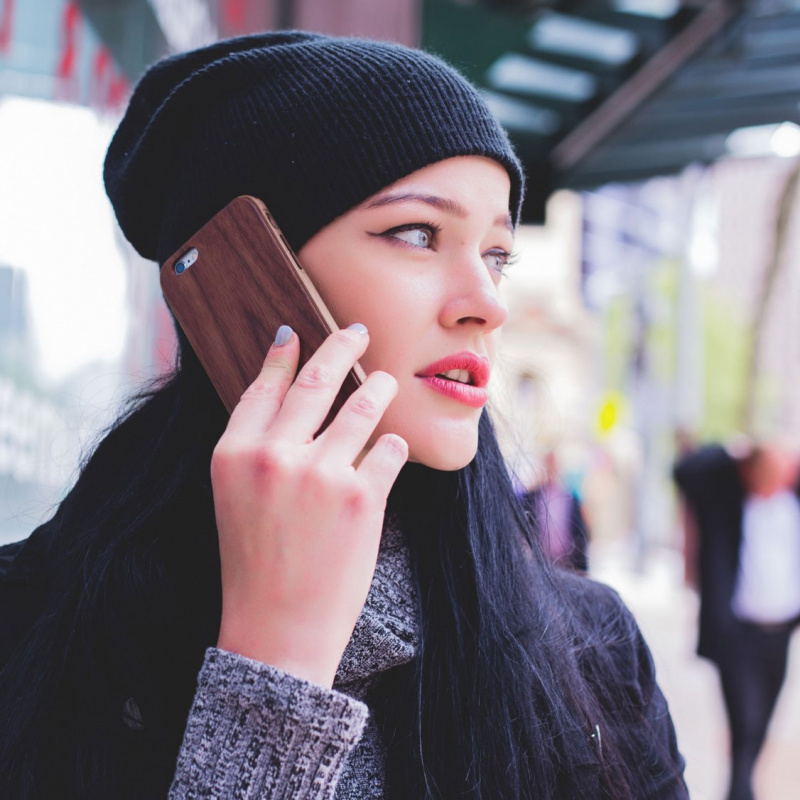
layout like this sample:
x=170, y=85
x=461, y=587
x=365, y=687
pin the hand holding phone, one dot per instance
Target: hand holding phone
x=299, y=517
x=299, y=512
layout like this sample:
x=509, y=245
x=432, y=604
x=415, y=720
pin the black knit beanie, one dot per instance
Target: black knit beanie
x=311, y=124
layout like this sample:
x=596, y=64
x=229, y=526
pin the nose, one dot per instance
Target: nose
x=472, y=297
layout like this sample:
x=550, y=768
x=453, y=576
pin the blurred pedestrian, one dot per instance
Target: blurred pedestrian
x=745, y=509
x=557, y=515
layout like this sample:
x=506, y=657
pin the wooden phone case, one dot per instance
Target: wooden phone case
x=245, y=283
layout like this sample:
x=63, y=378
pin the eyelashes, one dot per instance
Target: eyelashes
x=428, y=233
x=505, y=260
x=423, y=236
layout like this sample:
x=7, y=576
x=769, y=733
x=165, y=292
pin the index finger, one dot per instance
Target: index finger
x=259, y=405
x=312, y=394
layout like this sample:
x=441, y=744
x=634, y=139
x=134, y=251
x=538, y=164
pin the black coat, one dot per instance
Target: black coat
x=139, y=767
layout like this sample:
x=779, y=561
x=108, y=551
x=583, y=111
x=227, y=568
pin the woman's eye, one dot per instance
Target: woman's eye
x=419, y=237
x=415, y=235
x=497, y=260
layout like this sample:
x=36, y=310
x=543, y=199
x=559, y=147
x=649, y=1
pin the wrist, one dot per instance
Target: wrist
x=297, y=654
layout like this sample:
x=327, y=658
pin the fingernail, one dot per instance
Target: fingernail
x=282, y=336
x=357, y=327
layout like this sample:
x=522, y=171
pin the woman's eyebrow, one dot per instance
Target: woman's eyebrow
x=441, y=203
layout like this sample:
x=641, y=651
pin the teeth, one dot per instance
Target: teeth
x=460, y=375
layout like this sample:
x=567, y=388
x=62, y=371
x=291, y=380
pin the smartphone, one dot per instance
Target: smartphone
x=232, y=285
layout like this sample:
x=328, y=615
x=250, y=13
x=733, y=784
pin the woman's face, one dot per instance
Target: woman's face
x=419, y=264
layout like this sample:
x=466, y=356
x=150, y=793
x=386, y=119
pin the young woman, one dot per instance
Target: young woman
x=239, y=608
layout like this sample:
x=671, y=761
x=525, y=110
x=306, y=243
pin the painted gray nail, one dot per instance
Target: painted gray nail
x=357, y=327
x=283, y=335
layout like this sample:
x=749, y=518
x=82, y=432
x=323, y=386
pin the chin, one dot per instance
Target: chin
x=446, y=459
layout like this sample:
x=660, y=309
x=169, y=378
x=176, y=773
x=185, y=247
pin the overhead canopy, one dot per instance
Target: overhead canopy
x=595, y=91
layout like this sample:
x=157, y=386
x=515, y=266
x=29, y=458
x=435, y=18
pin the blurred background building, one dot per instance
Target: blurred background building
x=654, y=302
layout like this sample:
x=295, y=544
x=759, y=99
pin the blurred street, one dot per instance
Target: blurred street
x=667, y=611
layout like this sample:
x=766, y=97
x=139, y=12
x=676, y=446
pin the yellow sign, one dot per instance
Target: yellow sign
x=610, y=412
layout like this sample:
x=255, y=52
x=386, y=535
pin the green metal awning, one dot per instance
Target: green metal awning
x=597, y=91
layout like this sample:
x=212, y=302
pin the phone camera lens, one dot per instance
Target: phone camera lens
x=180, y=267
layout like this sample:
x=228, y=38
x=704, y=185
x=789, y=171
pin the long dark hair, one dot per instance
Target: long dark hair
x=122, y=590
x=515, y=671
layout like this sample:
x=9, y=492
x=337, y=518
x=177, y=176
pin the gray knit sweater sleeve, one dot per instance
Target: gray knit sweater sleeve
x=257, y=732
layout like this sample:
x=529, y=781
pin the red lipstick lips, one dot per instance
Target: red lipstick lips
x=472, y=393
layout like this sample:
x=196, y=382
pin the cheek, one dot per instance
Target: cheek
x=433, y=440
x=399, y=324
x=436, y=438
x=348, y=301
x=389, y=352
x=358, y=300
x=492, y=344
